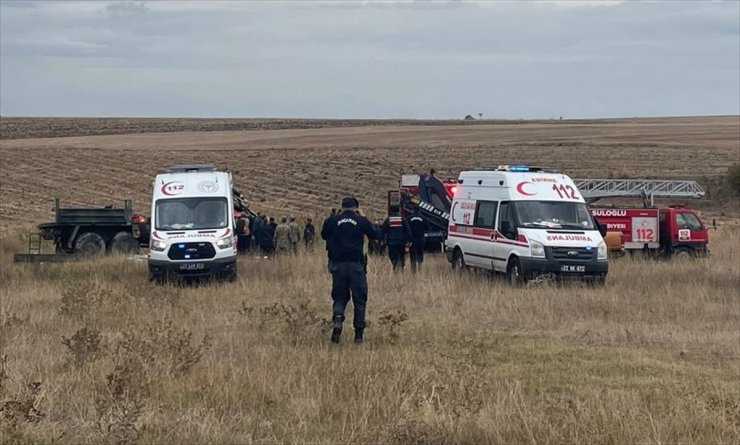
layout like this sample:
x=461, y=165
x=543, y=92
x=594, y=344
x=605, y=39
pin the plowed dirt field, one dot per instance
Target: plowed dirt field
x=289, y=169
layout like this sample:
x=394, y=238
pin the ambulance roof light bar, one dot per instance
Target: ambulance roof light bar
x=189, y=168
x=519, y=168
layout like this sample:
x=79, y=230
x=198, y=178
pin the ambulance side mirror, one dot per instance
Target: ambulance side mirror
x=507, y=230
x=602, y=227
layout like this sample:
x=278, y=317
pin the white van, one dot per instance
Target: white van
x=525, y=222
x=192, y=224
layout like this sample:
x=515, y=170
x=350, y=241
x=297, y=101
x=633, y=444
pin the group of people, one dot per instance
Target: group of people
x=344, y=233
x=398, y=235
x=265, y=237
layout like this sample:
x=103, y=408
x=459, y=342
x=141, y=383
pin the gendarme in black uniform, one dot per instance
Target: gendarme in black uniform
x=417, y=226
x=397, y=233
x=344, y=234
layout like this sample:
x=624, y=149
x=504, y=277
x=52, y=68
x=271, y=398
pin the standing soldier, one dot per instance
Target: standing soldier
x=345, y=234
x=295, y=235
x=417, y=226
x=396, y=234
x=309, y=232
x=281, y=240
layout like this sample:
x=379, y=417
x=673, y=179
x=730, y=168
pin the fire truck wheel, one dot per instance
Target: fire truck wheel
x=89, y=244
x=458, y=261
x=514, y=272
x=682, y=254
x=124, y=243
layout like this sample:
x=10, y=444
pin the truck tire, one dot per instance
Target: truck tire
x=514, y=274
x=89, y=244
x=124, y=243
x=458, y=261
x=683, y=254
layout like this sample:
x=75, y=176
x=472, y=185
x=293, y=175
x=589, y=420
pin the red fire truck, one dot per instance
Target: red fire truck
x=674, y=231
x=429, y=197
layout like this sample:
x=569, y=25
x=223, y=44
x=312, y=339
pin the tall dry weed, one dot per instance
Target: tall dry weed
x=161, y=346
x=120, y=403
x=84, y=346
x=80, y=298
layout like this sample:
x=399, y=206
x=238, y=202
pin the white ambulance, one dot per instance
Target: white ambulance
x=192, y=224
x=525, y=222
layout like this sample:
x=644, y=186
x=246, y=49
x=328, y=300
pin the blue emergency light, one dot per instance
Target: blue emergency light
x=187, y=257
x=181, y=246
x=514, y=168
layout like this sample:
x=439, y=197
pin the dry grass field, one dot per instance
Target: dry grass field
x=91, y=352
x=94, y=353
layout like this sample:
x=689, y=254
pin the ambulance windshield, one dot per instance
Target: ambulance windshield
x=192, y=214
x=554, y=215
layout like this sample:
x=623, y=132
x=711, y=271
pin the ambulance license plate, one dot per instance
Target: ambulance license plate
x=192, y=266
x=569, y=268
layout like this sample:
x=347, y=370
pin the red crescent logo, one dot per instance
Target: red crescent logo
x=452, y=213
x=172, y=188
x=520, y=188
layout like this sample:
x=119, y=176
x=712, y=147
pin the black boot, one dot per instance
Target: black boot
x=336, y=331
x=358, y=336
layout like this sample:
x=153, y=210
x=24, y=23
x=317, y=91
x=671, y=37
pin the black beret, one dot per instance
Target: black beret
x=349, y=202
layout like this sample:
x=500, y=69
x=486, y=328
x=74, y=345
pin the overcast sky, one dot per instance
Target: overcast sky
x=362, y=59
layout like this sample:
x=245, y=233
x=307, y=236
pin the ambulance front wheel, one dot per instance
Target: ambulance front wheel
x=514, y=273
x=458, y=261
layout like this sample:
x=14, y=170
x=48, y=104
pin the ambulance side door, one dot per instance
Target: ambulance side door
x=484, y=225
x=506, y=220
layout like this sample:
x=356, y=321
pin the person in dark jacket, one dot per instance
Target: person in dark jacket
x=264, y=235
x=254, y=224
x=309, y=233
x=397, y=234
x=345, y=234
x=242, y=230
x=418, y=227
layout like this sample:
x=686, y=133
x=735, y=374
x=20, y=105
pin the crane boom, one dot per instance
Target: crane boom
x=595, y=189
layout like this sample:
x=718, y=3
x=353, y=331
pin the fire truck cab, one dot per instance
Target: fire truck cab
x=682, y=232
x=525, y=222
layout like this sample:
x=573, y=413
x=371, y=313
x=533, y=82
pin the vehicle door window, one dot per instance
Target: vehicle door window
x=506, y=218
x=687, y=221
x=485, y=214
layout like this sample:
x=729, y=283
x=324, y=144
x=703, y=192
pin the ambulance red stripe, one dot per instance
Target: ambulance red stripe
x=481, y=234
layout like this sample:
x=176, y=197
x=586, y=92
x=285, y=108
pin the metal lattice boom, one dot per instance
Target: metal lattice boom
x=593, y=189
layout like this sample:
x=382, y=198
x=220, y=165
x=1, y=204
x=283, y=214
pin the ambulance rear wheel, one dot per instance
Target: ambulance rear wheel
x=458, y=261
x=514, y=274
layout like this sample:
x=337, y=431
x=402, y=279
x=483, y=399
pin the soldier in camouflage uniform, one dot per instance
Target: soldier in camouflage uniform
x=282, y=240
x=295, y=235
